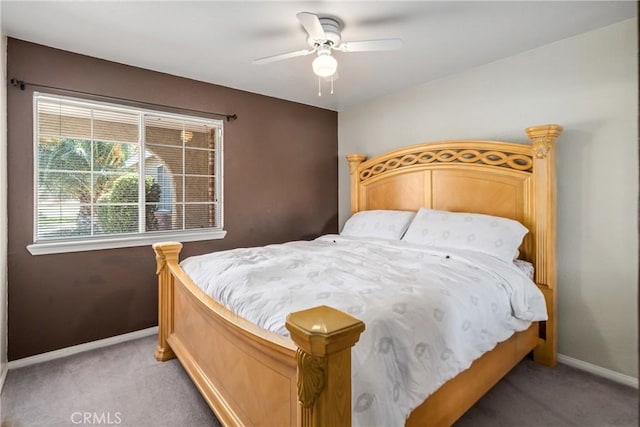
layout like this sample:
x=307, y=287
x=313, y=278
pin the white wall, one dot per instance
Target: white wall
x=589, y=85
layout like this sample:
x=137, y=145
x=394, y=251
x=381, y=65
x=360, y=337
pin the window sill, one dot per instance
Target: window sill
x=59, y=247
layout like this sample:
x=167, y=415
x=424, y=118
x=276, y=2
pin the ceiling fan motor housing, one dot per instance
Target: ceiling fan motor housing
x=331, y=29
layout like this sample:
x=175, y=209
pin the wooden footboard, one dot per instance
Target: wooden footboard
x=250, y=376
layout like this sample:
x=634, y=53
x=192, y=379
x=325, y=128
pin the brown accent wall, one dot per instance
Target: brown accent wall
x=280, y=184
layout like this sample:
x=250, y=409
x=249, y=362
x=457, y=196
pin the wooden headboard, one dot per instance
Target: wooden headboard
x=510, y=180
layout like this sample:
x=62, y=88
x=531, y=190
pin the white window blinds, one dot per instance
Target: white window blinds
x=104, y=170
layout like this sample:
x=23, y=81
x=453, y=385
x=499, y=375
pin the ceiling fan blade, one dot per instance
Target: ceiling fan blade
x=282, y=56
x=371, y=45
x=312, y=25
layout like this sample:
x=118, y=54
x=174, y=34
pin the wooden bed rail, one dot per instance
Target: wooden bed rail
x=324, y=337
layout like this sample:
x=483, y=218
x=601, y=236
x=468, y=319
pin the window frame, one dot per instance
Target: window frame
x=99, y=242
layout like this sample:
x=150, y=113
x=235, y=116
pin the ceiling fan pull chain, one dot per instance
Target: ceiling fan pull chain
x=319, y=87
x=331, y=84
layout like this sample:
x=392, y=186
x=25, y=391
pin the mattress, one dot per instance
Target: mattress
x=429, y=312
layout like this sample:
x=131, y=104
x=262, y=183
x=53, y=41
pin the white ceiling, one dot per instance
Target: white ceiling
x=216, y=41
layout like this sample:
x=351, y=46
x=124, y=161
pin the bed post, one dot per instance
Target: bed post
x=324, y=337
x=354, y=161
x=166, y=253
x=543, y=139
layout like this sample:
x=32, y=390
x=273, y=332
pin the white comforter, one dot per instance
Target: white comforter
x=429, y=313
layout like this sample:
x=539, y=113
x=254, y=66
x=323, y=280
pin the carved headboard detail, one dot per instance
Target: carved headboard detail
x=451, y=155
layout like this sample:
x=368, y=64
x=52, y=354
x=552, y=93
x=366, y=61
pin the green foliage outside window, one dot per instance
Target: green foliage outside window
x=68, y=154
x=114, y=218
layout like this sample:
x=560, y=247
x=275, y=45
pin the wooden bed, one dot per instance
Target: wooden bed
x=250, y=376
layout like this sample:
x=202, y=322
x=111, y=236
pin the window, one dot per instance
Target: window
x=110, y=176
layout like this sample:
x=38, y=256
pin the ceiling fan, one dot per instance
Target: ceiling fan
x=324, y=37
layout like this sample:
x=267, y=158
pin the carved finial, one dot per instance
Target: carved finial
x=160, y=262
x=542, y=138
x=311, y=380
x=354, y=161
x=324, y=337
x=167, y=251
x=541, y=146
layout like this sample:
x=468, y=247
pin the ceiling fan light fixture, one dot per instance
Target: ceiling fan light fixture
x=323, y=37
x=325, y=65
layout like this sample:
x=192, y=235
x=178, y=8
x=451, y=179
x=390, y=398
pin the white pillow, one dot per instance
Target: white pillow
x=378, y=224
x=500, y=237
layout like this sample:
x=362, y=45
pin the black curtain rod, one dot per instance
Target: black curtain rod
x=21, y=84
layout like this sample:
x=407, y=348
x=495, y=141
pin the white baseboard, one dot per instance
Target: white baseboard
x=598, y=370
x=3, y=375
x=64, y=352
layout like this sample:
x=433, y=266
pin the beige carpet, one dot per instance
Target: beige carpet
x=124, y=385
